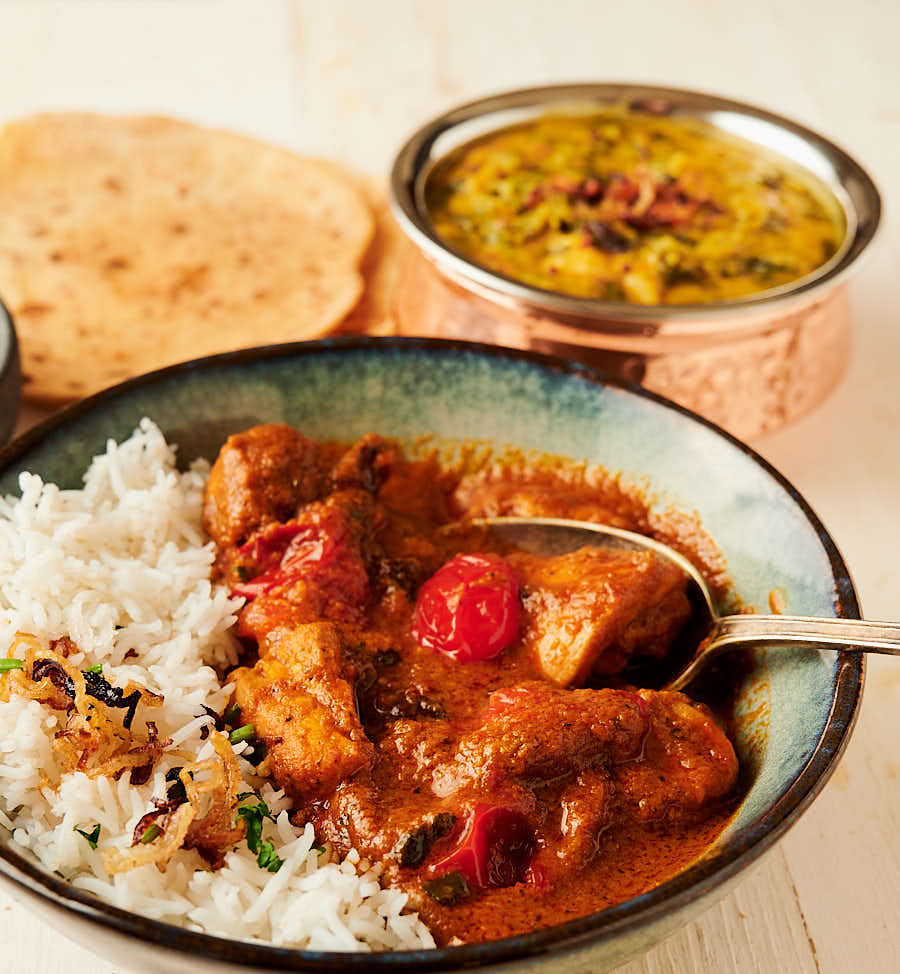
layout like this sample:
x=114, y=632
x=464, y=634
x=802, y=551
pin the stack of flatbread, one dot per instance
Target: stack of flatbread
x=127, y=244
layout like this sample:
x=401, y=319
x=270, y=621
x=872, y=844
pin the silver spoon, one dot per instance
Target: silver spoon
x=716, y=634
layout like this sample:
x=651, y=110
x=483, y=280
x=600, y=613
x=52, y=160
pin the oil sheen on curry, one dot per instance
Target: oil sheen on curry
x=448, y=707
x=630, y=207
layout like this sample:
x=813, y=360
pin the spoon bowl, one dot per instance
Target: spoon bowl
x=707, y=634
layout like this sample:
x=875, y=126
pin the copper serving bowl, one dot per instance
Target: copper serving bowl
x=752, y=365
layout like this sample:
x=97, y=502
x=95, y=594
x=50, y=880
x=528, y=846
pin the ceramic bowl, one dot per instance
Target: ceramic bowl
x=10, y=376
x=794, y=710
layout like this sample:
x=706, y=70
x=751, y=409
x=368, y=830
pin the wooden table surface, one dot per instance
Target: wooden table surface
x=350, y=80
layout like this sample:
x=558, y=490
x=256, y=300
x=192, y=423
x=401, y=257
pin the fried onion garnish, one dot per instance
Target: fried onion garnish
x=200, y=808
x=91, y=741
x=202, y=818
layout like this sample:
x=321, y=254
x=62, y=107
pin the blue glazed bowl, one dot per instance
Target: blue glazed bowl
x=794, y=710
x=10, y=376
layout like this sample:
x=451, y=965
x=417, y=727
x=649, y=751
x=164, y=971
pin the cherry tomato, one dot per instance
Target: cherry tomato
x=469, y=608
x=496, y=848
x=315, y=548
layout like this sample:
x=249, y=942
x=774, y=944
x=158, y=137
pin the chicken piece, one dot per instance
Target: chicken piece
x=586, y=807
x=535, y=732
x=259, y=617
x=299, y=699
x=591, y=609
x=476, y=497
x=260, y=475
x=312, y=567
x=687, y=764
x=595, y=757
x=373, y=812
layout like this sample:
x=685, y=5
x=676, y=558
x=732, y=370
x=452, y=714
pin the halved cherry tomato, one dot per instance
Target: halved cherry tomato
x=318, y=547
x=496, y=849
x=285, y=552
x=469, y=608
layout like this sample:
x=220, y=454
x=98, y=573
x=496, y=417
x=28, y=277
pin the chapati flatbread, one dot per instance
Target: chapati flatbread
x=375, y=313
x=130, y=243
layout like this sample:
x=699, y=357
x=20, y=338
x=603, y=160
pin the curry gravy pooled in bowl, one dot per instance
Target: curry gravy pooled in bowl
x=624, y=206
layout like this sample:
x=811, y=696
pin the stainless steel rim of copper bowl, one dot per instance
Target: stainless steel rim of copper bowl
x=849, y=182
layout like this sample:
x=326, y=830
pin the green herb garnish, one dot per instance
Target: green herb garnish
x=267, y=858
x=96, y=668
x=414, y=846
x=242, y=572
x=448, y=890
x=254, y=816
x=232, y=715
x=149, y=834
x=11, y=663
x=92, y=837
x=241, y=734
x=762, y=267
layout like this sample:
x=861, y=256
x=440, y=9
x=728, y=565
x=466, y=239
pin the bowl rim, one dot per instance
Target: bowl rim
x=414, y=156
x=693, y=883
x=10, y=374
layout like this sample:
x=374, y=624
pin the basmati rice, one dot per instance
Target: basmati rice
x=122, y=568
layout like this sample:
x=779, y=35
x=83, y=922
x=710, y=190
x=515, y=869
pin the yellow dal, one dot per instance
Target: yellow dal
x=514, y=202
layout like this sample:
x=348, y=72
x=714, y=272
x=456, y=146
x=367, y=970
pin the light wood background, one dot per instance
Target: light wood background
x=351, y=80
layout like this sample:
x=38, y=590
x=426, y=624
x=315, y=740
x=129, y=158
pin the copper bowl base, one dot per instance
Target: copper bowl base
x=751, y=373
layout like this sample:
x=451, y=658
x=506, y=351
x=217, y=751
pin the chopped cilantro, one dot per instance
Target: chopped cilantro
x=253, y=816
x=96, y=668
x=415, y=846
x=267, y=858
x=386, y=657
x=92, y=837
x=11, y=664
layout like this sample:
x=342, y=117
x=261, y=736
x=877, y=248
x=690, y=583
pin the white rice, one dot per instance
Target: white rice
x=122, y=568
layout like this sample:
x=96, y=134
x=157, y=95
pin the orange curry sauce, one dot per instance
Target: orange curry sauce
x=453, y=709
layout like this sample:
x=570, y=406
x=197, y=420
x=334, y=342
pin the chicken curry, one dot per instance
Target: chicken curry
x=450, y=707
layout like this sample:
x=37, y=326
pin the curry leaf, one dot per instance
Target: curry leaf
x=448, y=890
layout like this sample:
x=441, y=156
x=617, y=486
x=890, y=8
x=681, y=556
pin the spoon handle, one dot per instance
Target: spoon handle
x=737, y=632
x=760, y=630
